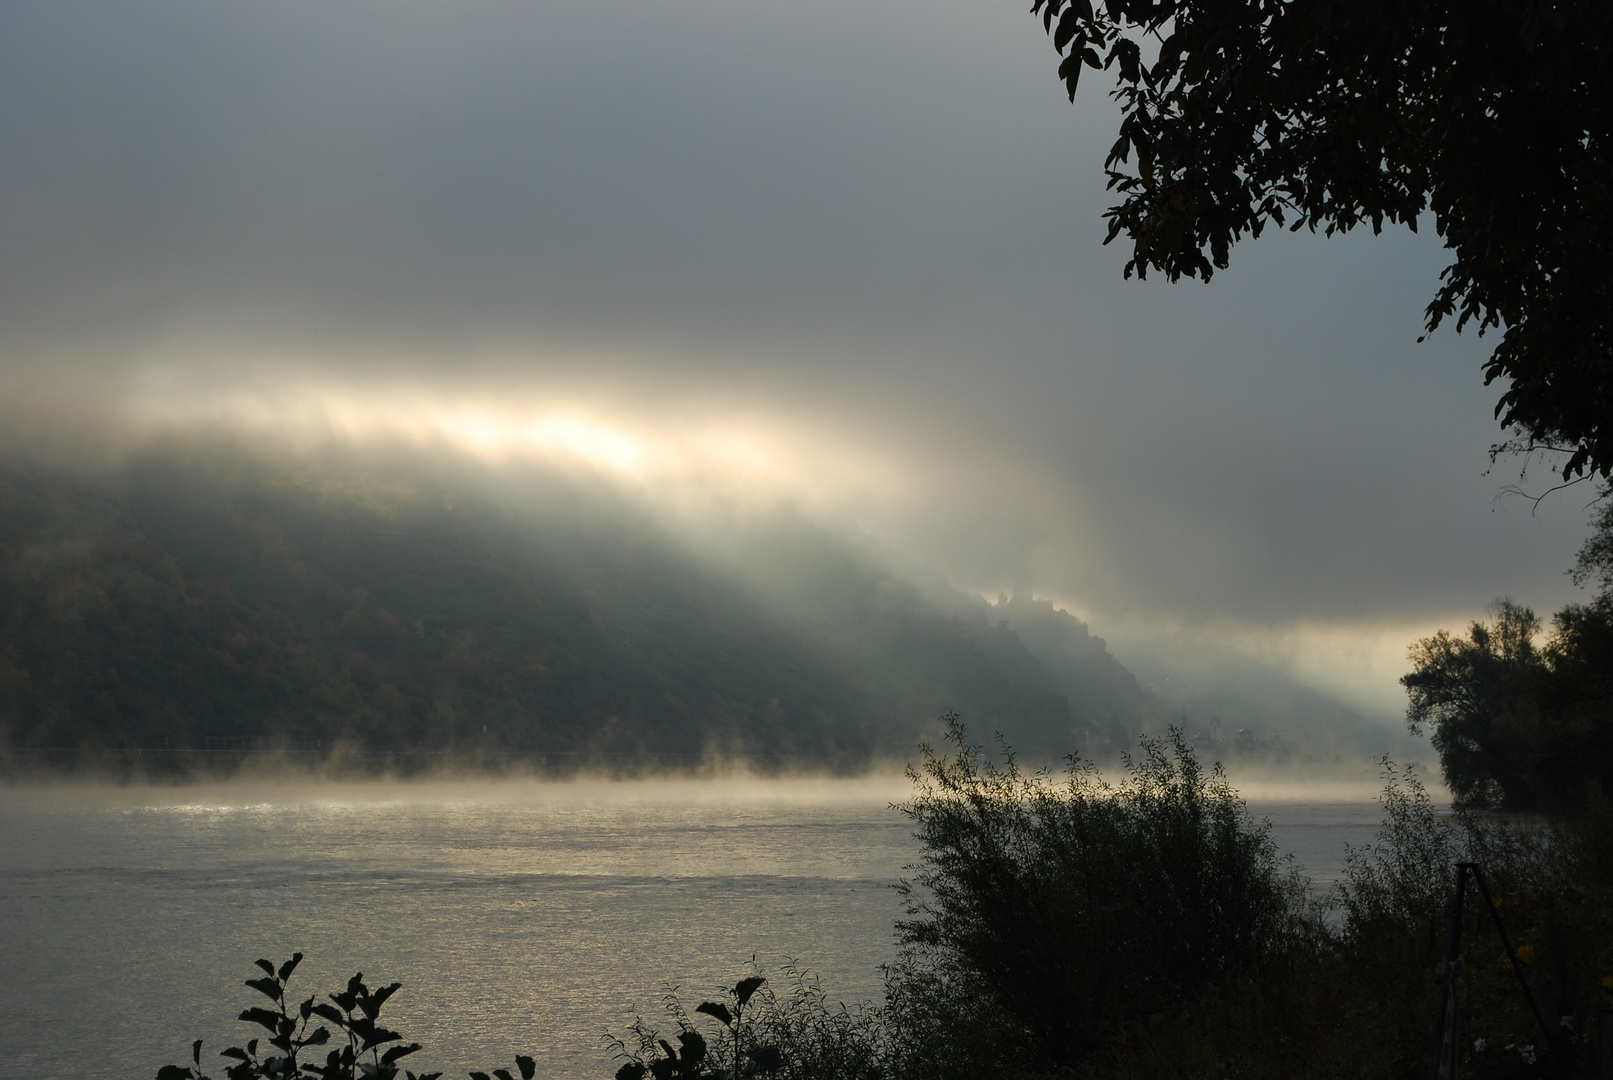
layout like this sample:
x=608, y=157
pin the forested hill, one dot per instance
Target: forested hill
x=194, y=596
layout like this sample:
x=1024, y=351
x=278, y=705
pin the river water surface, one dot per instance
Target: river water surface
x=521, y=917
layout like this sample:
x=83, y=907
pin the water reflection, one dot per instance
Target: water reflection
x=520, y=917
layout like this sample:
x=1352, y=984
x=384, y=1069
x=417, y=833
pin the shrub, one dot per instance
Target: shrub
x=795, y=1036
x=1553, y=891
x=1357, y=1002
x=1401, y=884
x=1063, y=908
x=1551, y=883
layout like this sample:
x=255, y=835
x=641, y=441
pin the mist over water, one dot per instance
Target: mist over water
x=520, y=916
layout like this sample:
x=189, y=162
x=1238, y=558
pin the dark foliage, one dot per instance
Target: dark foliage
x=1491, y=114
x=797, y=1035
x=1071, y=908
x=362, y=1046
x=1519, y=727
x=740, y=1048
x=1354, y=999
x=1483, y=697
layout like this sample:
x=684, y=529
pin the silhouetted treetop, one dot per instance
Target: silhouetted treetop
x=1327, y=114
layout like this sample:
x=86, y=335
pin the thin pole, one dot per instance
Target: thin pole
x=1517, y=968
x=1446, y=1042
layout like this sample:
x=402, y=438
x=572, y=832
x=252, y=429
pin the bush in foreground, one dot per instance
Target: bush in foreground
x=1357, y=1000
x=753, y=1032
x=1068, y=907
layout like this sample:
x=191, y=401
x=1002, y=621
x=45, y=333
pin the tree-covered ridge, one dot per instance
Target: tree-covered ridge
x=220, y=596
x=1076, y=660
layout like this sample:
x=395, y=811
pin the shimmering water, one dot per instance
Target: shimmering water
x=520, y=917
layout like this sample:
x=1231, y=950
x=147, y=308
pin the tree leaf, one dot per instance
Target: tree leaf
x=717, y=1009
x=397, y=1052
x=694, y=1049
x=747, y=987
x=527, y=1066
x=267, y=987
x=379, y=997
x=1069, y=28
x=263, y=1017
x=378, y=1036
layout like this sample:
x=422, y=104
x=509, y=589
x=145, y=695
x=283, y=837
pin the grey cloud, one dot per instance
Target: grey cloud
x=418, y=169
x=881, y=218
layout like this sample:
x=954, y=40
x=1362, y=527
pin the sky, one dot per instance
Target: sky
x=842, y=255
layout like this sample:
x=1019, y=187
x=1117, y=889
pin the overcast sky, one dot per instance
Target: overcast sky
x=848, y=251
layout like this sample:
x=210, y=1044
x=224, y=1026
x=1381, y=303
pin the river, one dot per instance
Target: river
x=521, y=917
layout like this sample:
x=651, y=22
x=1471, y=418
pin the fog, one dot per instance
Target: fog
x=843, y=259
x=730, y=787
x=273, y=786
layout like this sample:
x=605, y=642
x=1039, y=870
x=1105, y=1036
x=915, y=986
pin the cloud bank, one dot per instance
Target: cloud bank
x=842, y=255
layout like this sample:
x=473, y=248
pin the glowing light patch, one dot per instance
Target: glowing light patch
x=595, y=443
x=489, y=434
x=672, y=449
x=476, y=432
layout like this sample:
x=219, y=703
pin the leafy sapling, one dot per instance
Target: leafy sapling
x=693, y=1058
x=762, y=1058
x=355, y=1012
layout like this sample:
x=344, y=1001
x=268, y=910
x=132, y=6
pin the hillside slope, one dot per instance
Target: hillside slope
x=208, y=593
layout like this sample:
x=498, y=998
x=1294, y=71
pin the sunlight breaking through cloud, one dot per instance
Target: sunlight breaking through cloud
x=666, y=449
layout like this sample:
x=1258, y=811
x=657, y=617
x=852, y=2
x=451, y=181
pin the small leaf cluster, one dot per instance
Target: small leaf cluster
x=737, y=1054
x=523, y=1065
x=362, y=1048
